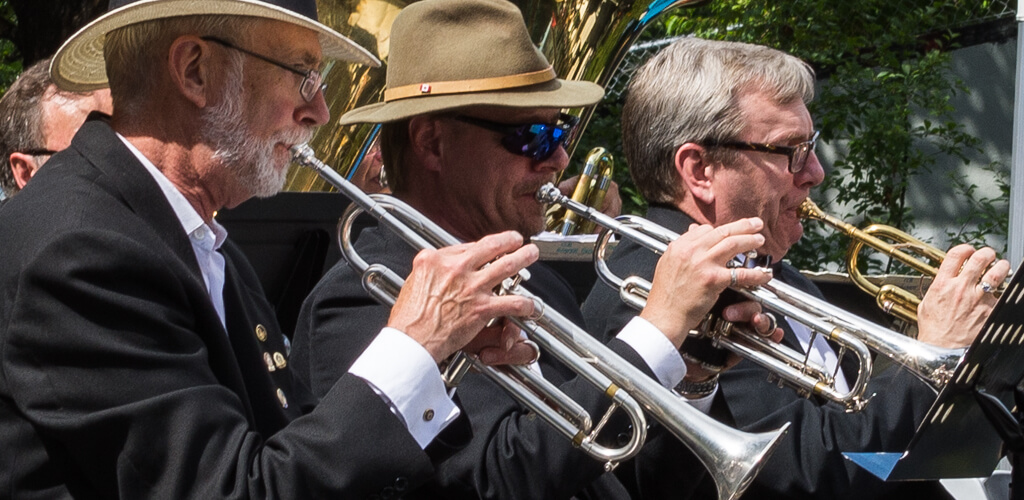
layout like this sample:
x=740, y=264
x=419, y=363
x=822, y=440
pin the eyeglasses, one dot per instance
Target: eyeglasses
x=312, y=80
x=797, y=154
x=537, y=141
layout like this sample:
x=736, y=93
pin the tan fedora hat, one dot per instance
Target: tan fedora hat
x=78, y=65
x=448, y=54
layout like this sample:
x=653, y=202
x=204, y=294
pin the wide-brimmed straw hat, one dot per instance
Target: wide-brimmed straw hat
x=78, y=65
x=448, y=54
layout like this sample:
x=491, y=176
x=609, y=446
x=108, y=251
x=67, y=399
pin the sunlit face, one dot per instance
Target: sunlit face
x=261, y=113
x=488, y=188
x=759, y=184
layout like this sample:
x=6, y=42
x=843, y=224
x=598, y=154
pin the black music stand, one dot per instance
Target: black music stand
x=977, y=415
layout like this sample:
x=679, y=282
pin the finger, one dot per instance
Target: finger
x=492, y=246
x=510, y=335
x=521, y=353
x=488, y=338
x=509, y=264
x=742, y=312
x=977, y=264
x=749, y=278
x=954, y=262
x=998, y=272
x=994, y=276
x=508, y=305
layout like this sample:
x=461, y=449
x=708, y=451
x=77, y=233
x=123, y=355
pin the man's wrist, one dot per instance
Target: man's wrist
x=697, y=389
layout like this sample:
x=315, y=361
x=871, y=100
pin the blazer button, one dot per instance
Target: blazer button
x=261, y=332
x=387, y=492
x=401, y=484
x=279, y=361
x=282, y=399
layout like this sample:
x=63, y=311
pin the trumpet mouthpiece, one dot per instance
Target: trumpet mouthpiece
x=809, y=210
x=302, y=154
x=548, y=193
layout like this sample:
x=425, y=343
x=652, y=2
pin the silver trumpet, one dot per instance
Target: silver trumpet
x=732, y=457
x=854, y=334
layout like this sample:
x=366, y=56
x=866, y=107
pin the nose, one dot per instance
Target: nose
x=313, y=113
x=811, y=175
x=554, y=163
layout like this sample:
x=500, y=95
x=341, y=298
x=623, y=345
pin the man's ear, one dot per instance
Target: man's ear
x=188, y=63
x=23, y=167
x=425, y=134
x=695, y=172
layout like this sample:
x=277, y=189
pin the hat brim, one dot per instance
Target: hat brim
x=553, y=94
x=78, y=65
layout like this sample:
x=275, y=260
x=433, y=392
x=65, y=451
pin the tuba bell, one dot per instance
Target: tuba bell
x=582, y=39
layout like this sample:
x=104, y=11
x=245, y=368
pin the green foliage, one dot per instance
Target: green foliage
x=10, y=58
x=884, y=102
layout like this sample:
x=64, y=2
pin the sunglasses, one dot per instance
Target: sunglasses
x=536, y=141
x=797, y=154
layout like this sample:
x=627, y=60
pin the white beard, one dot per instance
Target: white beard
x=249, y=158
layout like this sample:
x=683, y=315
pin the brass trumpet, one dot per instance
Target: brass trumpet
x=591, y=188
x=920, y=256
x=932, y=364
x=732, y=457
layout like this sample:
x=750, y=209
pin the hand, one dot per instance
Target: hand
x=612, y=204
x=748, y=312
x=448, y=297
x=955, y=307
x=503, y=344
x=693, y=272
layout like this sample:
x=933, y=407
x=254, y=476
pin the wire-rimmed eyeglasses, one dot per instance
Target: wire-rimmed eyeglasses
x=312, y=80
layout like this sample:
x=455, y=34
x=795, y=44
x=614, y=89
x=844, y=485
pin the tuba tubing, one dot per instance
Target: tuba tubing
x=732, y=457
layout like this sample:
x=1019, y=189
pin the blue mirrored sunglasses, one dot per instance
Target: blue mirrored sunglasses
x=537, y=141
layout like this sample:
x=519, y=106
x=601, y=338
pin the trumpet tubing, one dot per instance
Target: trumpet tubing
x=732, y=457
x=897, y=244
x=930, y=363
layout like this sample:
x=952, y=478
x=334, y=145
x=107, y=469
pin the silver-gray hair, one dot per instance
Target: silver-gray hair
x=136, y=53
x=22, y=117
x=688, y=93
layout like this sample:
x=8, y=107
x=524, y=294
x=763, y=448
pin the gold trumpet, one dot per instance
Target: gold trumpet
x=732, y=457
x=931, y=364
x=591, y=188
x=920, y=256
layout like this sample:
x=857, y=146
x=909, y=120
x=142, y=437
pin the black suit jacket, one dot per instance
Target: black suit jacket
x=119, y=380
x=513, y=454
x=808, y=463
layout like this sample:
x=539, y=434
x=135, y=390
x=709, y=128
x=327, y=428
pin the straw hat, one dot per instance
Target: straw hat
x=78, y=65
x=448, y=54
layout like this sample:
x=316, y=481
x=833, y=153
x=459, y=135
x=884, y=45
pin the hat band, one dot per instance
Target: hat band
x=465, y=86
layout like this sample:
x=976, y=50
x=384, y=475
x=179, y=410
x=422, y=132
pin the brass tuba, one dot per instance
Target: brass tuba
x=583, y=40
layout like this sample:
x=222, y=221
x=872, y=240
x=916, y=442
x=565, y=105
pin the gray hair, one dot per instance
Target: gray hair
x=688, y=93
x=21, y=117
x=136, y=53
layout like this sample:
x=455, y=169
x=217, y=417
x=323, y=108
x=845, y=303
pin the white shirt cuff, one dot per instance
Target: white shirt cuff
x=655, y=349
x=402, y=372
x=702, y=404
